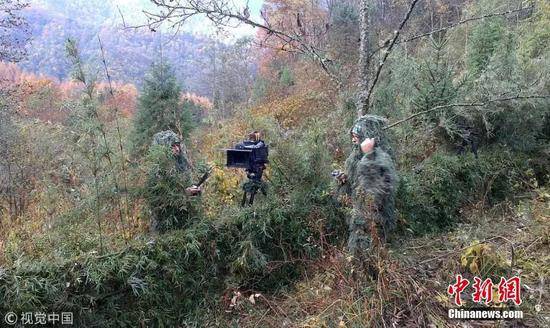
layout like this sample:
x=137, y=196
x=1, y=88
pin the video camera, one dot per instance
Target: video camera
x=249, y=155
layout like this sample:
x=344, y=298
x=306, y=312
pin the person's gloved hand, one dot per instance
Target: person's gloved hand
x=340, y=176
x=193, y=190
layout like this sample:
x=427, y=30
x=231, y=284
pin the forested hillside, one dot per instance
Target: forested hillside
x=130, y=51
x=104, y=218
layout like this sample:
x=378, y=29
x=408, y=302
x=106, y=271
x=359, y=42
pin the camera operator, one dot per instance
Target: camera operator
x=256, y=167
x=254, y=141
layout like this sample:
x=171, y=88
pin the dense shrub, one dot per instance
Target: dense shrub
x=268, y=246
x=152, y=283
x=431, y=197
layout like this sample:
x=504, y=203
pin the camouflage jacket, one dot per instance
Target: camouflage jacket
x=371, y=184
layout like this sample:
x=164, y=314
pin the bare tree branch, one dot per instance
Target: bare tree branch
x=222, y=14
x=473, y=104
x=448, y=27
x=386, y=54
x=121, y=16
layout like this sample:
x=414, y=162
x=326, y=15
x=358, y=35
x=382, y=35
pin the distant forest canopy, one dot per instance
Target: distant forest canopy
x=196, y=60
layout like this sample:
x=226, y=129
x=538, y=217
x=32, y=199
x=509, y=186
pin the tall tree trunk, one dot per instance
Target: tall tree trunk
x=364, y=61
x=216, y=87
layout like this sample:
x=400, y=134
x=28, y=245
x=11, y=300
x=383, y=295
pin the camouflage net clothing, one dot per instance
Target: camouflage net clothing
x=169, y=138
x=371, y=182
x=165, y=192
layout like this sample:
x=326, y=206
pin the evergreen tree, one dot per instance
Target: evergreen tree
x=435, y=87
x=435, y=82
x=484, y=40
x=160, y=108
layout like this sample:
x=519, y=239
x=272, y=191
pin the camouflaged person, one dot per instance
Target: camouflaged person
x=370, y=182
x=169, y=185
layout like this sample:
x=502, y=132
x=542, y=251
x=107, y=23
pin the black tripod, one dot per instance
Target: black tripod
x=253, y=185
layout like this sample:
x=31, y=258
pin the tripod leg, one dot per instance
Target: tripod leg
x=252, y=194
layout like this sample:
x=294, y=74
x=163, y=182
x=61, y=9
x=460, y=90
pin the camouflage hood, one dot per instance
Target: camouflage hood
x=166, y=138
x=169, y=138
x=369, y=126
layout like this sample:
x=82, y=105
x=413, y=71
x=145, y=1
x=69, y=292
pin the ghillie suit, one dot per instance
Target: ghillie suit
x=371, y=183
x=169, y=176
x=168, y=138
